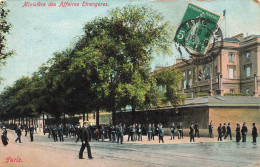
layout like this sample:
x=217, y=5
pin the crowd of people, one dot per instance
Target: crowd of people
x=135, y=132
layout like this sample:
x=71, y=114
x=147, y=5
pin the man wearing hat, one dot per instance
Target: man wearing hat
x=19, y=133
x=244, y=132
x=84, y=135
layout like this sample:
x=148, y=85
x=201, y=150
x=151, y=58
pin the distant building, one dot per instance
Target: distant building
x=235, y=70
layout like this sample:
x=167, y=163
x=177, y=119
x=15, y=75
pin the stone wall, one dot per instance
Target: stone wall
x=234, y=116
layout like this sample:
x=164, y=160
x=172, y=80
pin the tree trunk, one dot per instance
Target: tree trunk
x=48, y=119
x=26, y=120
x=43, y=123
x=29, y=122
x=87, y=115
x=114, y=117
x=64, y=121
x=94, y=115
x=97, y=117
x=84, y=116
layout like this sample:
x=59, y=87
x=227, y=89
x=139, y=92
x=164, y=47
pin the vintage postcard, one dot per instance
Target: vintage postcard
x=107, y=83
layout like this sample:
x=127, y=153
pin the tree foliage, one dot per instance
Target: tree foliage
x=108, y=68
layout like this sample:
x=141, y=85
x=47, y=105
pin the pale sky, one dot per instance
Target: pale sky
x=38, y=32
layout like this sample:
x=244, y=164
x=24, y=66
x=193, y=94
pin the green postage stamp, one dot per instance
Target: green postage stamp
x=196, y=29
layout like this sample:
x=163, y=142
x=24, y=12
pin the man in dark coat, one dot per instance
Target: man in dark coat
x=84, y=135
x=211, y=130
x=120, y=134
x=228, y=132
x=160, y=133
x=254, y=133
x=31, y=129
x=54, y=133
x=219, y=133
x=19, y=133
x=130, y=133
x=153, y=131
x=60, y=133
x=149, y=132
x=238, y=135
x=196, y=128
x=191, y=132
x=180, y=129
x=244, y=132
x=224, y=130
x=172, y=129
x=26, y=130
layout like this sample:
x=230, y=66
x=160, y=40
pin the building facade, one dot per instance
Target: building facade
x=235, y=70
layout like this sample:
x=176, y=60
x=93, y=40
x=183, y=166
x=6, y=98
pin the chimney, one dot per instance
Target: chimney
x=239, y=36
x=179, y=61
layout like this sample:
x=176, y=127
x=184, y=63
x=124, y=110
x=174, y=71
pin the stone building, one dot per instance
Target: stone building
x=235, y=70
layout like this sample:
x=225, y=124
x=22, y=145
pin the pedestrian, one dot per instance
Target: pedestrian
x=254, y=133
x=54, y=133
x=120, y=134
x=84, y=135
x=172, y=129
x=35, y=128
x=228, y=132
x=244, y=132
x=153, y=132
x=149, y=132
x=139, y=133
x=180, y=130
x=196, y=128
x=49, y=131
x=60, y=133
x=19, y=133
x=224, y=130
x=96, y=134
x=31, y=129
x=210, y=129
x=130, y=133
x=219, y=133
x=238, y=135
x=113, y=133
x=135, y=132
x=102, y=133
x=160, y=133
x=26, y=130
x=191, y=132
x=4, y=136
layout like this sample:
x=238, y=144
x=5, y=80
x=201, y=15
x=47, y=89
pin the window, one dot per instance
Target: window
x=247, y=91
x=231, y=73
x=184, y=84
x=232, y=90
x=248, y=71
x=248, y=55
x=184, y=74
x=231, y=57
x=190, y=83
x=189, y=72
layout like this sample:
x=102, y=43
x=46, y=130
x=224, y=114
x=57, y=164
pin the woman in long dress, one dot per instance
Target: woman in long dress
x=4, y=137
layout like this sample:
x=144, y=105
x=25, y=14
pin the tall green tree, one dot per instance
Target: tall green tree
x=168, y=80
